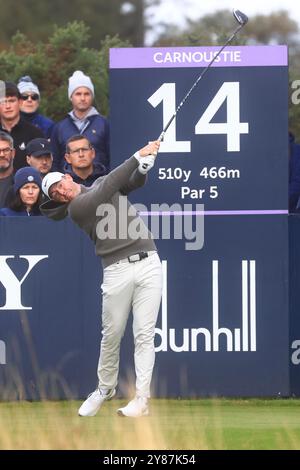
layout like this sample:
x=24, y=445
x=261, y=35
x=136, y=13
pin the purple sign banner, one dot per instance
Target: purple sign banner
x=241, y=212
x=177, y=57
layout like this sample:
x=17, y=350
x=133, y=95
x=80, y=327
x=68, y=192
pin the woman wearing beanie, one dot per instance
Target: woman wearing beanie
x=27, y=194
x=30, y=101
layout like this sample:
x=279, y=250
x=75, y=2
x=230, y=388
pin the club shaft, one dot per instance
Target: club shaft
x=160, y=138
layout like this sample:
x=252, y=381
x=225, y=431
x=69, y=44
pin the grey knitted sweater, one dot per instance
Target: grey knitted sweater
x=106, y=215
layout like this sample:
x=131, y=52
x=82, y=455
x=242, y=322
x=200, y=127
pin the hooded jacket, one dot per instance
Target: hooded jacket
x=97, y=172
x=95, y=128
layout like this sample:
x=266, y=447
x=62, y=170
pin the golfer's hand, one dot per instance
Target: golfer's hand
x=146, y=163
x=150, y=149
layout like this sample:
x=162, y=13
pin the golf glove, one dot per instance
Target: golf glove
x=146, y=163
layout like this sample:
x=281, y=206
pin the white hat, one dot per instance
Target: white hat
x=77, y=80
x=26, y=85
x=49, y=180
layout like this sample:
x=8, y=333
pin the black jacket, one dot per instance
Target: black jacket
x=22, y=133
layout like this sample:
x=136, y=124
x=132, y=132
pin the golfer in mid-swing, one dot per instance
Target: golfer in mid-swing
x=132, y=278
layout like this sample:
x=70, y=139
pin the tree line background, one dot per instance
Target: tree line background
x=49, y=40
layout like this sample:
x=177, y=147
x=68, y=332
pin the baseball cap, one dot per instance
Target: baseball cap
x=49, y=180
x=38, y=147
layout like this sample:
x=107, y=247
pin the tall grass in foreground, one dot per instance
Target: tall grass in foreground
x=173, y=424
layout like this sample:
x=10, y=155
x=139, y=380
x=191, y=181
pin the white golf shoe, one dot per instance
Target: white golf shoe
x=94, y=401
x=135, y=408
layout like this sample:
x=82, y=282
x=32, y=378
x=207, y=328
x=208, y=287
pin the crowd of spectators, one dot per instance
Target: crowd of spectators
x=77, y=145
x=32, y=145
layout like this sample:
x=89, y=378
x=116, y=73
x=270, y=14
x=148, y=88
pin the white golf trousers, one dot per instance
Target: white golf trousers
x=127, y=287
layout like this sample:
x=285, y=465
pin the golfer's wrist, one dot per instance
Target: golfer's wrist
x=137, y=156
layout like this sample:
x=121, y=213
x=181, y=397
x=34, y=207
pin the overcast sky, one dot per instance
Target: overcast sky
x=174, y=11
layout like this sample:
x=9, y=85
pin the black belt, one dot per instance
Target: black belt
x=138, y=256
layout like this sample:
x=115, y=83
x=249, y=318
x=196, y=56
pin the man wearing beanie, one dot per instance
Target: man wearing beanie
x=85, y=120
x=30, y=101
x=18, y=128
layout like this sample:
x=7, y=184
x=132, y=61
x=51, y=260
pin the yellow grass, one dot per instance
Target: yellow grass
x=173, y=424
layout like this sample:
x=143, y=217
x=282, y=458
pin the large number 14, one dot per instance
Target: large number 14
x=233, y=128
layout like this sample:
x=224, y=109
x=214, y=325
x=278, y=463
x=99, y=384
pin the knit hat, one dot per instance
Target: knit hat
x=50, y=179
x=26, y=175
x=77, y=80
x=26, y=85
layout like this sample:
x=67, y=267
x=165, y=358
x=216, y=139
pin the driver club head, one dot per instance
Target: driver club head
x=241, y=18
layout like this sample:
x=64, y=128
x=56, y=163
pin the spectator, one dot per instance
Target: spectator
x=27, y=190
x=80, y=156
x=7, y=153
x=30, y=101
x=84, y=119
x=11, y=122
x=39, y=155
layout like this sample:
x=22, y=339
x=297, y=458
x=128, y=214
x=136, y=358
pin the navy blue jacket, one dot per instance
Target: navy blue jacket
x=97, y=172
x=6, y=211
x=97, y=132
x=40, y=121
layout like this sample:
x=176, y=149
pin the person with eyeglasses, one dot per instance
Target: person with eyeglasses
x=7, y=153
x=84, y=119
x=30, y=101
x=17, y=127
x=80, y=156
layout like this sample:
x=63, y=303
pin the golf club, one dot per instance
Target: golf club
x=242, y=19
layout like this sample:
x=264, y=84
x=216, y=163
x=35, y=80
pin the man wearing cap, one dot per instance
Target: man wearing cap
x=30, y=101
x=39, y=155
x=84, y=119
x=11, y=122
x=132, y=277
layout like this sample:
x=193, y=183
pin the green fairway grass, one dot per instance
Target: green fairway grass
x=173, y=424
